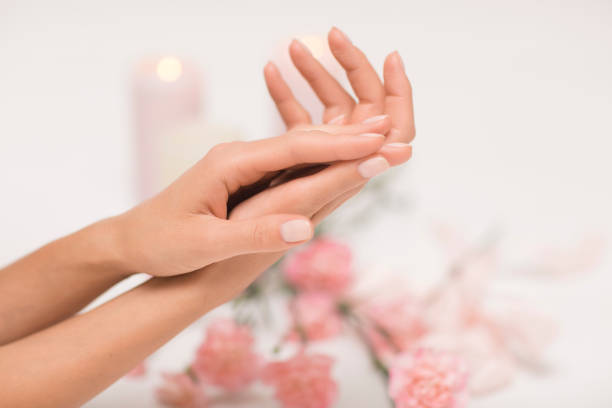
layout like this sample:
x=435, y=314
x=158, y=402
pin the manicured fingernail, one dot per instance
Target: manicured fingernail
x=337, y=120
x=374, y=119
x=373, y=167
x=343, y=34
x=397, y=145
x=375, y=135
x=296, y=230
x=302, y=46
x=399, y=60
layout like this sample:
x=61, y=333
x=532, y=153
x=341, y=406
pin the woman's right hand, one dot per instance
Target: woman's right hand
x=185, y=227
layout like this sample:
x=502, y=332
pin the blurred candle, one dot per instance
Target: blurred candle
x=166, y=92
x=183, y=145
x=318, y=46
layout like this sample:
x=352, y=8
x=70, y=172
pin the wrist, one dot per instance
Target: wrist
x=102, y=242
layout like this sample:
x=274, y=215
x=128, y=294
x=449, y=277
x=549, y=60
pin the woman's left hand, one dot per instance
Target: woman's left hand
x=392, y=96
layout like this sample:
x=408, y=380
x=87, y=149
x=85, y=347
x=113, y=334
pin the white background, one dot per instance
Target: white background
x=513, y=103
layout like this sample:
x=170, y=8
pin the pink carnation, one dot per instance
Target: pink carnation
x=226, y=358
x=303, y=381
x=316, y=316
x=324, y=265
x=428, y=379
x=180, y=391
x=396, y=325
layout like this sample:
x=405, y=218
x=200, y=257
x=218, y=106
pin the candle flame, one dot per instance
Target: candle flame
x=169, y=69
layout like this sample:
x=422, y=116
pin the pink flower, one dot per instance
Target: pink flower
x=396, y=325
x=315, y=316
x=180, y=391
x=324, y=265
x=303, y=381
x=491, y=367
x=428, y=379
x=226, y=358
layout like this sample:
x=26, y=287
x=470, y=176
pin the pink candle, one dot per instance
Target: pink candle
x=166, y=92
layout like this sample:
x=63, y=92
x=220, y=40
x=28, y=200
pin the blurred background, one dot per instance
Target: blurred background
x=513, y=113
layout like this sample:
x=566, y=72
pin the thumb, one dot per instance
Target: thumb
x=268, y=233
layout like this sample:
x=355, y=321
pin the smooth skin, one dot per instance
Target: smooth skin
x=49, y=360
x=182, y=229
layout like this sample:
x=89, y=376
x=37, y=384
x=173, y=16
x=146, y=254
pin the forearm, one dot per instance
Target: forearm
x=58, y=280
x=91, y=351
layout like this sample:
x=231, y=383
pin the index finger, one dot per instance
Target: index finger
x=291, y=111
x=243, y=163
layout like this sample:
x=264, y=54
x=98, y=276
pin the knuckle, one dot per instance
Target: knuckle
x=259, y=234
x=303, y=198
x=291, y=144
x=223, y=149
x=218, y=150
x=223, y=155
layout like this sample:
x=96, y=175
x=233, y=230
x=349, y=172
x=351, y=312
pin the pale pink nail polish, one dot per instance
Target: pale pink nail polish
x=374, y=119
x=337, y=120
x=296, y=230
x=373, y=167
x=398, y=145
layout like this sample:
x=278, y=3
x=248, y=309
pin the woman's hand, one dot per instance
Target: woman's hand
x=185, y=227
x=168, y=235
x=318, y=194
x=392, y=97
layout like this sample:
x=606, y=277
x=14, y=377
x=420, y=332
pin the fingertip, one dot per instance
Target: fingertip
x=394, y=61
x=396, y=153
x=338, y=120
x=395, y=79
x=398, y=60
x=378, y=123
x=297, y=230
x=376, y=138
x=352, y=147
x=297, y=47
x=373, y=167
x=269, y=69
x=294, y=47
x=375, y=119
x=337, y=38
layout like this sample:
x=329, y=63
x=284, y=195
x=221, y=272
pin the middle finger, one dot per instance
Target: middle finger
x=363, y=77
x=336, y=100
